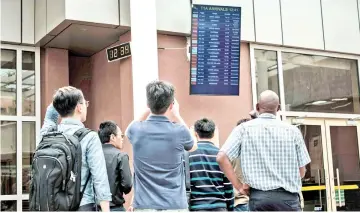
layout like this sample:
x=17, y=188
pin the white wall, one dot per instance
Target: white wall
x=28, y=21
x=316, y=24
x=301, y=21
x=267, y=21
x=341, y=25
x=96, y=11
x=11, y=21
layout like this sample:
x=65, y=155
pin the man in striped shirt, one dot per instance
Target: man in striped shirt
x=210, y=189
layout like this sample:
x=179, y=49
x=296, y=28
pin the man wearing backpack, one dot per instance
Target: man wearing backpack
x=47, y=195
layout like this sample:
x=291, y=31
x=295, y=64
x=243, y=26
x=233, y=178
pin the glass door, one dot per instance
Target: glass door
x=343, y=139
x=316, y=191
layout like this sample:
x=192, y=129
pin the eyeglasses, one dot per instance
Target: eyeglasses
x=86, y=103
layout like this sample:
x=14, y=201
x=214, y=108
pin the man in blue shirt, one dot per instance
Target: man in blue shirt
x=158, y=147
x=69, y=103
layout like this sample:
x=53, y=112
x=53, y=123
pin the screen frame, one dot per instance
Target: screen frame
x=191, y=45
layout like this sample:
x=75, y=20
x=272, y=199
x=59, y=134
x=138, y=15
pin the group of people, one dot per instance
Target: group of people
x=182, y=168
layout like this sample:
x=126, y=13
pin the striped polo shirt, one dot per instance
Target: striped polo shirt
x=210, y=189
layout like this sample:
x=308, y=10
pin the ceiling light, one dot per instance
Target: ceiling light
x=319, y=103
x=339, y=99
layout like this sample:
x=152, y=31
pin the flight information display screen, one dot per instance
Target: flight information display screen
x=215, y=50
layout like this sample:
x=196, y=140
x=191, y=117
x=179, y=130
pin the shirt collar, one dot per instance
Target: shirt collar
x=267, y=115
x=72, y=121
x=153, y=117
x=206, y=142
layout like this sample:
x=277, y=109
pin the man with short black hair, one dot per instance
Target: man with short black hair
x=159, y=138
x=210, y=189
x=70, y=104
x=117, y=163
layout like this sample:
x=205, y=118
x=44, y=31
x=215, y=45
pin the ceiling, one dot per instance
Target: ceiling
x=84, y=40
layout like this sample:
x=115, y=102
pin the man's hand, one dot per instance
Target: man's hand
x=216, y=138
x=131, y=209
x=175, y=109
x=244, y=189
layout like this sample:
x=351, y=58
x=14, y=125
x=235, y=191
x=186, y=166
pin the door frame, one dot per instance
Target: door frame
x=325, y=124
x=328, y=183
x=339, y=122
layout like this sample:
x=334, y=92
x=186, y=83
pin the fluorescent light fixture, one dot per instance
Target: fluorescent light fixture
x=10, y=86
x=339, y=99
x=319, y=103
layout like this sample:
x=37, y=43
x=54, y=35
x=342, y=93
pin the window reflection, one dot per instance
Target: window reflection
x=320, y=84
x=28, y=146
x=266, y=71
x=28, y=83
x=8, y=206
x=8, y=82
x=8, y=157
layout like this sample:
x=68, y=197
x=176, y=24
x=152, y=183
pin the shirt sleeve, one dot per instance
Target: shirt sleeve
x=97, y=165
x=129, y=130
x=50, y=120
x=229, y=194
x=125, y=174
x=186, y=139
x=301, y=150
x=231, y=146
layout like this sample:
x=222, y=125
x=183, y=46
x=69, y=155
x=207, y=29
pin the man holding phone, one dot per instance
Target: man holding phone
x=159, y=138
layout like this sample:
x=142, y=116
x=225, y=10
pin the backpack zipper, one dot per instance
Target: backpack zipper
x=62, y=168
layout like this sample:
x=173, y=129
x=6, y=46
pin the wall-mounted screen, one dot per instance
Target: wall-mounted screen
x=215, y=50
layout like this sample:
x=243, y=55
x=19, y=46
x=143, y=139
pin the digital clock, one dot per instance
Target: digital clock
x=118, y=52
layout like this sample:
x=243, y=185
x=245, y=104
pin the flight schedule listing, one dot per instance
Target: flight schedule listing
x=215, y=50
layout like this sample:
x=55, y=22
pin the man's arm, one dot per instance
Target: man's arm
x=50, y=120
x=125, y=174
x=226, y=167
x=96, y=161
x=142, y=117
x=186, y=138
x=229, y=152
x=229, y=194
x=301, y=152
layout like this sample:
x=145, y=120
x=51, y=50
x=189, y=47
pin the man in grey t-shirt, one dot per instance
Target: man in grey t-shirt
x=158, y=147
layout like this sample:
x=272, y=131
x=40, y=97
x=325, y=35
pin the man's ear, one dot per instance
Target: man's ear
x=112, y=137
x=257, y=107
x=171, y=106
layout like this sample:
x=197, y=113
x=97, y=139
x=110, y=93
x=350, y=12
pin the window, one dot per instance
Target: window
x=8, y=82
x=19, y=123
x=266, y=71
x=307, y=81
x=320, y=84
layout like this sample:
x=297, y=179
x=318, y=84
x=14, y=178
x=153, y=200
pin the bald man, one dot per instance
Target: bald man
x=272, y=157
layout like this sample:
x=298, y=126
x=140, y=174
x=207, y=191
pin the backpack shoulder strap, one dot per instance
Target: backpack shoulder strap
x=81, y=133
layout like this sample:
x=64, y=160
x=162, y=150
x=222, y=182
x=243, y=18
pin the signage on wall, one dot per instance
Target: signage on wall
x=118, y=52
x=215, y=50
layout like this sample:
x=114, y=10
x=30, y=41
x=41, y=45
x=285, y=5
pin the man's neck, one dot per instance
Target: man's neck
x=207, y=139
x=74, y=117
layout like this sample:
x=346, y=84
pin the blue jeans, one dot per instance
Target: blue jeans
x=242, y=208
x=274, y=200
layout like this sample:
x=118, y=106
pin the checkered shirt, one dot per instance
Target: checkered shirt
x=270, y=151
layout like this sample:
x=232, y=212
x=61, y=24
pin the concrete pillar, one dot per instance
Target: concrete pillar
x=143, y=49
x=263, y=78
x=54, y=71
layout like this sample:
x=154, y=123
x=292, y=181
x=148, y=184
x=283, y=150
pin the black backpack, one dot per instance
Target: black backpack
x=56, y=172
